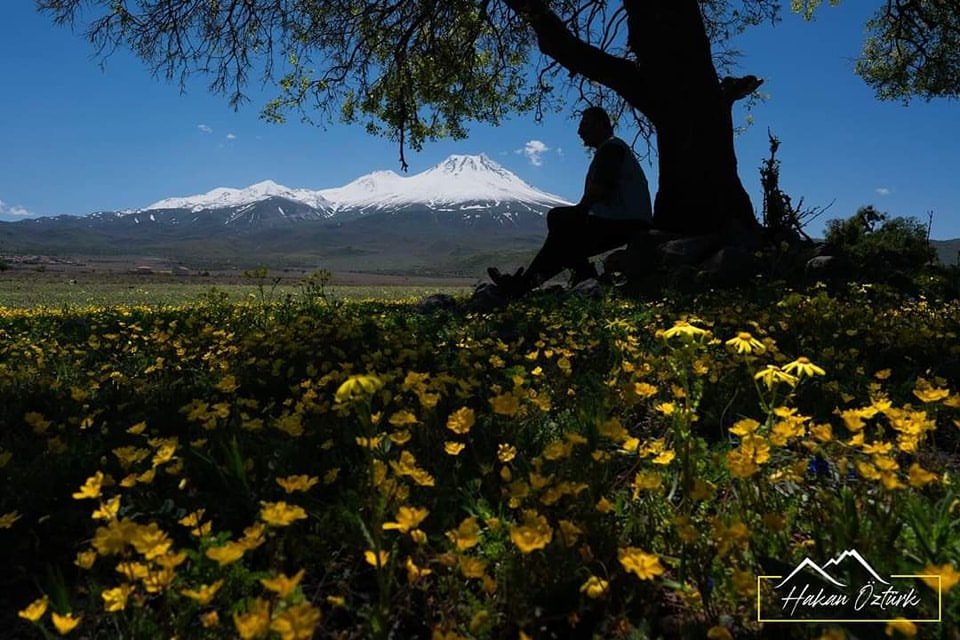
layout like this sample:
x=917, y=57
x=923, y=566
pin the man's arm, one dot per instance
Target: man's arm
x=604, y=173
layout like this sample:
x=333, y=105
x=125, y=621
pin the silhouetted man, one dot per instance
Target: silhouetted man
x=615, y=206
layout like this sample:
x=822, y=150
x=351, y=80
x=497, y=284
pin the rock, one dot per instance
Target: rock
x=690, y=250
x=435, y=302
x=586, y=289
x=487, y=297
x=731, y=265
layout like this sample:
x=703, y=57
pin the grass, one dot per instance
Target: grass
x=65, y=289
x=565, y=467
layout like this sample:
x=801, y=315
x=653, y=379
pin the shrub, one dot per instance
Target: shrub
x=874, y=241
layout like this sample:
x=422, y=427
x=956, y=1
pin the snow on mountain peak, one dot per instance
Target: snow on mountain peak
x=460, y=179
x=456, y=180
x=223, y=197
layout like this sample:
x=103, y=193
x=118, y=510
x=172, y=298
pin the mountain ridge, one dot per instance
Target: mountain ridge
x=465, y=180
x=465, y=212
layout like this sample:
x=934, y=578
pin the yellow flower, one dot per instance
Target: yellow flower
x=453, y=448
x=358, y=387
x=665, y=457
x=569, y=532
x=666, y=408
x=744, y=342
x=402, y=418
x=108, y=510
x=605, y=506
x=773, y=374
x=684, y=330
x=918, y=476
x=472, y=567
x=466, y=535
x=35, y=610
x=414, y=572
x=282, y=585
x=407, y=518
x=114, y=538
x=822, y=432
x=506, y=452
x=644, y=390
x=150, y=540
x=252, y=536
x=883, y=374
x=802, y=367
x=64, y=624
x=255, y=623
x=297, y=622
x=116, y=599
x=418, y=536
x=741, y=463
x=133, y=571
x=461, y=421
x=281, y=514
x=90, y=488
x=945, y=577
x=645, y=481
x=296, y=483
x=210, y=619
x=227, y=384
x=505, y=404
x=205, y=593
x=534, y=533
x=744, y=427
x=931, y=394
x=7, y=519
x=595, y=587
x=719, y=633
x=375, y=559
x=370, y=443
x=646, y=566
x=227, y=554
x=85, y=559
x=901, y=626
x=613, y=430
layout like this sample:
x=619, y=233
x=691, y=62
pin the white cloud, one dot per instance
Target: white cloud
x=14, y=211
x=204, y=128
x=231, y=136
x=883, y=191
x=534, y=150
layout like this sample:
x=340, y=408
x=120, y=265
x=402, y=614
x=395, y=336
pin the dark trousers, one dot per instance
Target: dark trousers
x=573, y=236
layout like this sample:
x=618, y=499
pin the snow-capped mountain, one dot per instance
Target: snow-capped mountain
x=224, y=197
x=459, y=183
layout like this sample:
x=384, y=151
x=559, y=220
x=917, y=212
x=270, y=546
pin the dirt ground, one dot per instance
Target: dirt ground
x=136, y=269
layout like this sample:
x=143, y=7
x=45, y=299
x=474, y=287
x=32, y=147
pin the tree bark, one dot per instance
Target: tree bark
x=674, y=83
x=700, y=191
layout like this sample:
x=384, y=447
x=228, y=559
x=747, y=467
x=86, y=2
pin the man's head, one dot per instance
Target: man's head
x=595, y=126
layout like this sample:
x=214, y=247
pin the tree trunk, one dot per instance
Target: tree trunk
x=699, y=188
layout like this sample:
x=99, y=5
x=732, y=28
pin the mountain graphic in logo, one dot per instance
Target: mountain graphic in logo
x=832, y=565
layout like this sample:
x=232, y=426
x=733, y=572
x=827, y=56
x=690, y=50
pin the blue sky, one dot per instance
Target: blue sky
x=77, y=138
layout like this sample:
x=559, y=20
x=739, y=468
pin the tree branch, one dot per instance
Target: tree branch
x=556, y=41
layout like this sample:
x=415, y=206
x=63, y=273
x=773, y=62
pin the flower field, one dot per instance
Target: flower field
x=564, y=467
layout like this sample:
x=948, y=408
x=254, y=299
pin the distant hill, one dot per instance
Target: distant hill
x=464, y=213
x=948, y=251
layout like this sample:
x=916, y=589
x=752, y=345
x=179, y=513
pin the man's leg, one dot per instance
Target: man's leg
x=565, y=231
